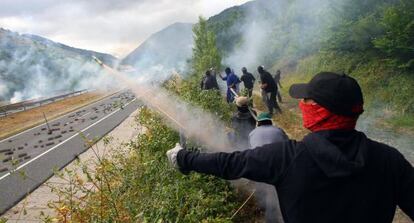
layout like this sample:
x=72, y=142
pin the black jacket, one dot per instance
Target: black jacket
x=330, y=176
x=266, y=78
x=209, y=82
x=242, y=123
x=248, y=80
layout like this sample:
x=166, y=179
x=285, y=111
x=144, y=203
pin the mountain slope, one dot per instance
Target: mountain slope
x=32, y=66
x=168, y=49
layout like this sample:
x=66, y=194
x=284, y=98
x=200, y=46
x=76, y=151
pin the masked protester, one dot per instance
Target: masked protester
x=335, y=174
x=269, y=90
x=243, y=123
x=248, y=81
x=209, y=81
x=232, y=82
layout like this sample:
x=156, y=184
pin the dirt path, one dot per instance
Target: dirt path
x=31, y=208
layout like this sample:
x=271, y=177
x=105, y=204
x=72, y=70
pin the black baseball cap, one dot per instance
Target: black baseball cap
x=339, y=93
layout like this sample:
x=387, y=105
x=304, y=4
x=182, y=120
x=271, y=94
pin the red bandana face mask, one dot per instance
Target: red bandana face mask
x=317, y=118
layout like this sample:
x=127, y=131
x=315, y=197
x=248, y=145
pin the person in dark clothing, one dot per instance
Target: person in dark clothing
x=243, y=123
x=209, y=81
x=232, y=82
x=335, y=174
x=248, y=80
x=278, y=85
x=269, y=90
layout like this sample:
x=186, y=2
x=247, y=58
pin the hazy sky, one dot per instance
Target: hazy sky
x=111, y=26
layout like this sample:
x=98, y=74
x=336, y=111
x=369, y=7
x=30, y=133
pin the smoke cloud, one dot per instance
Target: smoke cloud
x=278, y=30
x=164, y=53
x=369, y=123
x=195, y=123
x=31, y=69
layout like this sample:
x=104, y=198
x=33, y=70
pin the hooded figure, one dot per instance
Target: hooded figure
x=335, y=174
x=248, y=81
x=243, y=123
x=232, y=81
x=209, y=81
x=269, y=90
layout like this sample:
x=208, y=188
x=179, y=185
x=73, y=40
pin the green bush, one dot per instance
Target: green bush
x=398, y=41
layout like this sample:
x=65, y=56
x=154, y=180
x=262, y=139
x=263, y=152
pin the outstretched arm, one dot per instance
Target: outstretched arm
x=221, y=76
x=263, y=164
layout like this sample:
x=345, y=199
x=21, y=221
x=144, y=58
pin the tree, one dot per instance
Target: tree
x=398, y=41
x=355, y=24
x=205, y=52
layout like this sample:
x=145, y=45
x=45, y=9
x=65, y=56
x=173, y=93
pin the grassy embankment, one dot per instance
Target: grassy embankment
x=20, y=121
x=388, y=93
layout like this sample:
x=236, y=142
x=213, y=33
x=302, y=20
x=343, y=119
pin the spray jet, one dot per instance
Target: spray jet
x=183, y=140
x=97, y=60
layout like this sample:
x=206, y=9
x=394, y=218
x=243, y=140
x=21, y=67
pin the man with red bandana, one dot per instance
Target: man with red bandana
x=335, y=174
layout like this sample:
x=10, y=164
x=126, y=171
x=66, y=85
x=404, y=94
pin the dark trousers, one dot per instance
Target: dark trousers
x=271, y=102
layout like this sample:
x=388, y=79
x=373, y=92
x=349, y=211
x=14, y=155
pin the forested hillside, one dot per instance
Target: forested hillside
x=372, y=40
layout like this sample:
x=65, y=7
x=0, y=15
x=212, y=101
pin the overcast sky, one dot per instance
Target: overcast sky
x=110, y=26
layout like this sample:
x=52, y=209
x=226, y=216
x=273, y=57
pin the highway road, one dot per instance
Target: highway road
x=38, y=151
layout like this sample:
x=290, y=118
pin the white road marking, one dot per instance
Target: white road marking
x=47, y=151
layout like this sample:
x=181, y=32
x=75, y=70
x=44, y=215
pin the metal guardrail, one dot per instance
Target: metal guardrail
x=21, y=106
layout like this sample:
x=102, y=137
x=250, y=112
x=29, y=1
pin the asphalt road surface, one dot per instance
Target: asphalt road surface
x=29, y=158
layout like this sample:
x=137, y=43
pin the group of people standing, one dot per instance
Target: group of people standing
x=252, y=130
x=268, y=85
x=334, y=174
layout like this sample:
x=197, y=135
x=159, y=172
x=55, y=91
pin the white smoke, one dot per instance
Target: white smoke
x=33, y=69
x=3, y=88
x=278, y=30
x=17, y=97
x=194, y=122
x=164, y=53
